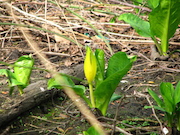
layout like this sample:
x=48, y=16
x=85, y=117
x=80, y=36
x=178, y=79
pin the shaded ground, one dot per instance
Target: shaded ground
x=58, y=115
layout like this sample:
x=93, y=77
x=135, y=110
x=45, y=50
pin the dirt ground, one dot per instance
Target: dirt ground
x=58, y=114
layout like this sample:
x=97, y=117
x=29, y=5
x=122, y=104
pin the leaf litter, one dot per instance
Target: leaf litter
x=120, y=36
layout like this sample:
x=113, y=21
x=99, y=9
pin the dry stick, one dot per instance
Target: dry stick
x=130, y=5
x=37, y=129
x=117, y=129
x=6, y=36
x=69, y=91
x=169, y=69
x=153, y=110
x=45, y=16
x=115, y=118
x=111, y=33
x=140, y=54
x=37, y=18
x=47, y=53
x=147, y=41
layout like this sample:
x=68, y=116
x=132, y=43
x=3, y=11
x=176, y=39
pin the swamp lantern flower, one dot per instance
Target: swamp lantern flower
x=90, y=65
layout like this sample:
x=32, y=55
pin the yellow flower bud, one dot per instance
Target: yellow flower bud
x=90, y=65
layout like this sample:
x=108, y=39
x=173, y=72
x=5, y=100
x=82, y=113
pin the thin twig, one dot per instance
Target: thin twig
x=152, y=107
x=37, y=18
x=117, y=129
x=130, y=5
x=116, y=115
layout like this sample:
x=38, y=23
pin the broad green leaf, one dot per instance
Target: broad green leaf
x=105, y=90
x=167, y=92
x=118, y=66
x=177, y=93
x=169, y=106
x=14, y=82
x=142, y=27
x=23, y=68
x=164, y=20
x=153, y=3
x=65, y=81
x=53, y=84
x=3, y=72
x=100, y=66
x=156, y=98
x=118, y=62
x=91, y=131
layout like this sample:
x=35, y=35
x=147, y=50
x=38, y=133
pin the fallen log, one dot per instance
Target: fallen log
x=34, y=94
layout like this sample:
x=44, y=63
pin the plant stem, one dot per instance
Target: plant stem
x=20, y=90
x=157, y=45
x=91, y=95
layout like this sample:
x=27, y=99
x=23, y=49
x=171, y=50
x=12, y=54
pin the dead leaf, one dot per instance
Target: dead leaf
x=150, y=82
x=4, y=92
x=68, y=62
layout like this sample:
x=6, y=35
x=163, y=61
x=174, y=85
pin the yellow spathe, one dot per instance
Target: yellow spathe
x=90, y=65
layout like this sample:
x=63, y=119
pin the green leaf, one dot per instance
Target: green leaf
x=13, y=80
x=66, y=81
x=156, y=98
x=23, y=68
x=113, y=20
x=138, y=3
x=177, y=93
x=153, y=3
x=115, y=97
x=80, y=90
x=91, y=131
x=142, y=27
x=100, y=66
x=164, y=20
x=167, y=92
x=3, y=72
x=119, y=61
x=55, y=83
x=118, y=66
x=155, y=107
